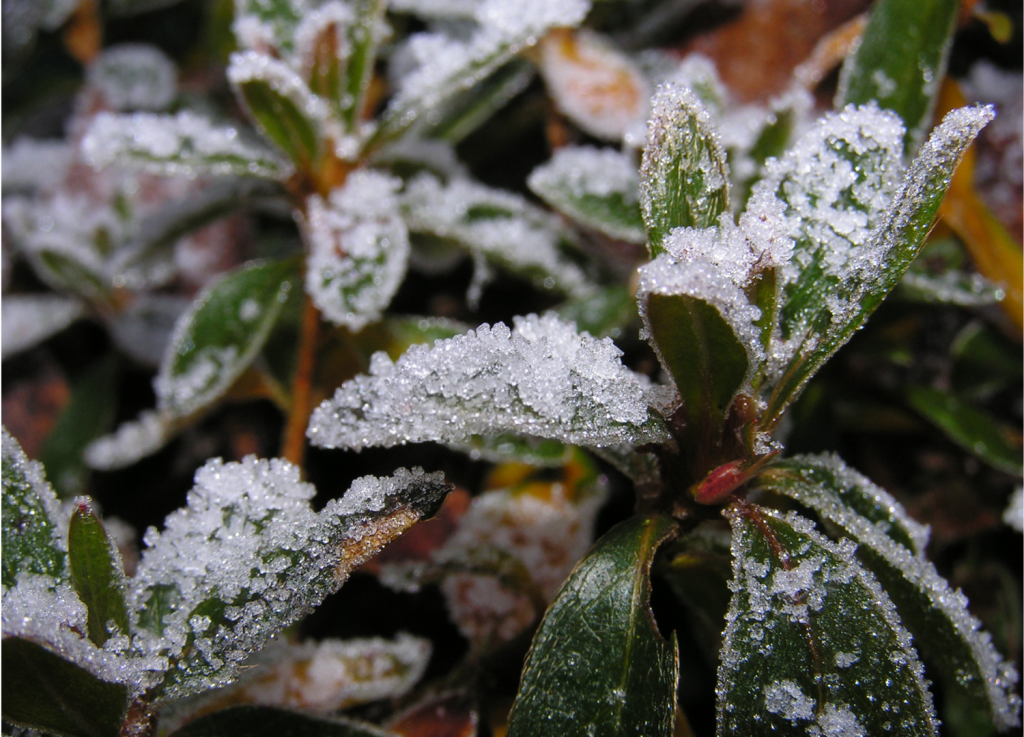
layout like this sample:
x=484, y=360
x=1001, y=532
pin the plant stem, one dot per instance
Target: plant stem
x=293, y=442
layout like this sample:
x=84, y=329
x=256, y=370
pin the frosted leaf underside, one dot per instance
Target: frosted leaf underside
x=359, y=249
x=812, y=644
x=542, y=378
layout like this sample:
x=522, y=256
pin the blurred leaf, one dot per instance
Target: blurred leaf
x=43, y=691
x=900, y=60
x=511, y=447
x=219, y=337
x=264, y=721
x=984, y=361
x=973, y=430
x=598, y=664
x=810, y=633
x=470, y=109
x=88, y=415
x=684, y=178
x=29, y=319
x=74, y=270
x=363, y=36
x=278, y=19
x=32, y=542
x=597, y=188
x=948, y=635
x=96, y=573
x=607, y=312
x=449, y=715
x=701, y=351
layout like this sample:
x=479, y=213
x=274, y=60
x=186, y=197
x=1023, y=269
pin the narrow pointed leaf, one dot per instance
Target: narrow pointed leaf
x=267, y=24
x=809, y=633
x=358, y=249
x=598, y=665
x=874, y=268
x=323, y=50
x=215, y=341
x=96, y=573
x=44, y=691
x=684, y=177
x=32, y=541
x=363, y=36
x=265, y=721
x=598, y=188
x=468, y=110
x=284, y=108
x=937, y=616
x=209, y=594
x=970, y=428
x=900, y=61
x=707, y=361
x=542, y=379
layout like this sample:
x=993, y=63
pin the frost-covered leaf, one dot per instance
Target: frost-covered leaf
x=542, y=378
x=468, y=110
x=33, y=543
x=510, y=447
x=264, y=721
x=598, y=664
x=132, y=441
x=185, y=143
x=499, y=226
x=266, y=25
x=44, y=691
x=96, y=574
x=134, y=77
x=684, y=177
x=323, y=677
x=856, y=232
x=363, y=36
x=358, y=249
x=598, y=188
x=936, y=614
x=219, y=337
x=594, y=84
x=248, y=556
x=88, y=414
x=448, y=65
x=812, y=643
x=605, y=313
x=970, y=428
x=900, y=61
x=281, y=104
x=948, y=288
x=29, y=319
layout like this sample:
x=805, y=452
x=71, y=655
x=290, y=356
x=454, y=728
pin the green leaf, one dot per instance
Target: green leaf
x=598, y=665
x=684, y=177
x=812, y=641
x=900, y=61
x=699, y=348
x=281, y=104
x=772, y=141
x=606, y=312
x=75, y=270
x=32, y=541
x=511, y=447
x=396, y=334
x=265, y=721
x=248, y=556
x=217, y=339
x=182, y=144
x=598, y=188
x=973, y=430
x=96, y=573
x=828, y=305
x=88, y=415
x=469, y=110
x=936, y=615
x=43, y=691
x=363, y=35
x=276, y=20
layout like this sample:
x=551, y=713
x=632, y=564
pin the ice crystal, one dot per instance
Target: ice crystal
x=29, y=319
x=185, y=143
x=787, y=700
x=497, y=225
x=359, y=249
x=542, y=378
x=134, y=77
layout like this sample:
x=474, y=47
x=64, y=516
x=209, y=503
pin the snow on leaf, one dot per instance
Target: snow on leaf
x=132, y=441
x=541, y=378
x=436, y=9
x=499, y=226
x=598, y=188
x=594, y=84
x=447, y=65
x=266, y=25
x=247, y=556
x=359, y=249
x=134, y=77
x=184, y=143
x=937, y=615
x=801, y=606
x=29, y=319
x=30, y=163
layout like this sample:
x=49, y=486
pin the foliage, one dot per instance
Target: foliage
x=772, y=231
